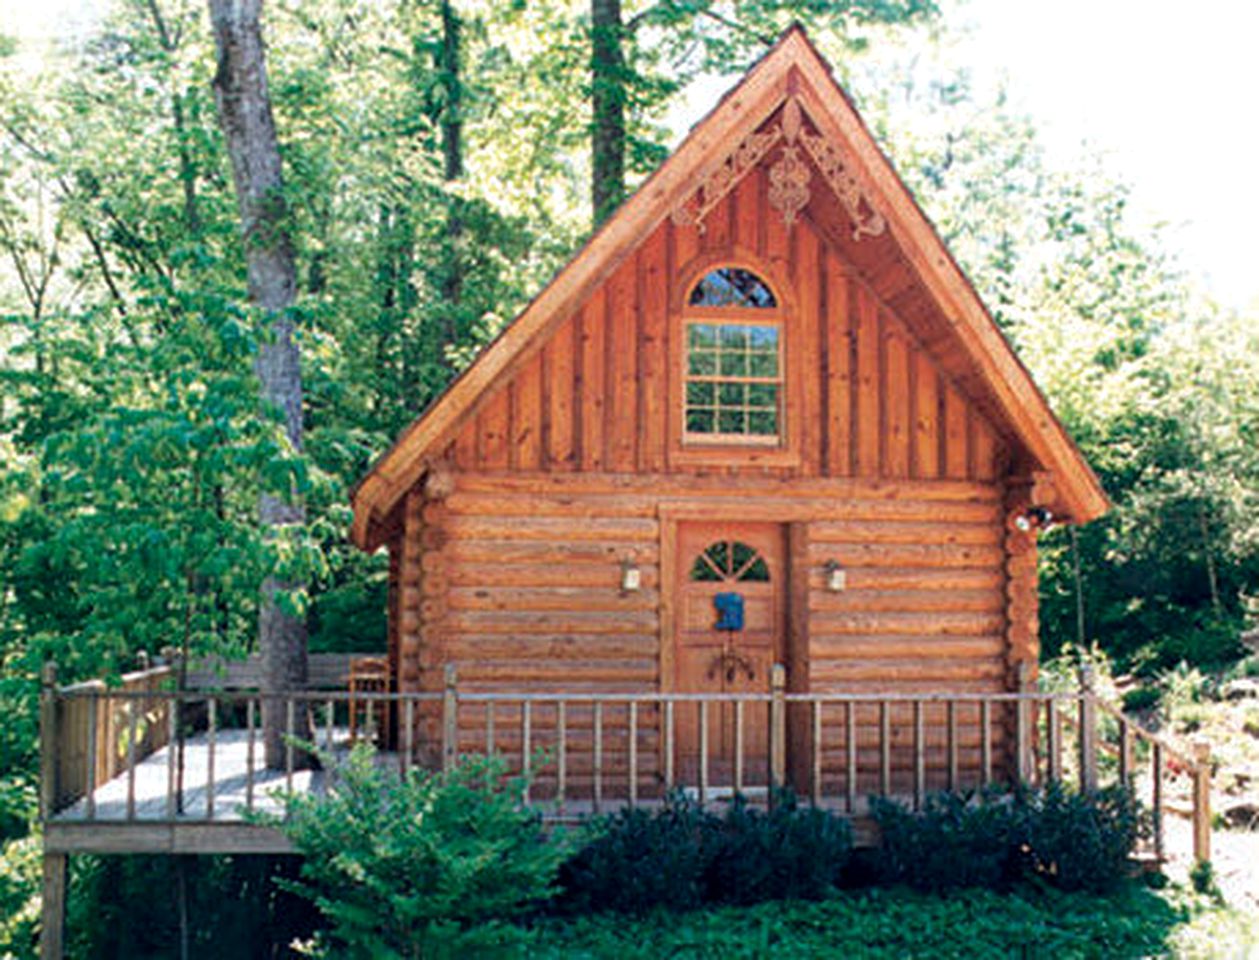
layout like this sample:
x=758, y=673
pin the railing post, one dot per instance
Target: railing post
x=1202, y=801
x=1088, y=731
x=778, y=725
x=1024, y=765
x=450, y=720
x=48, y=740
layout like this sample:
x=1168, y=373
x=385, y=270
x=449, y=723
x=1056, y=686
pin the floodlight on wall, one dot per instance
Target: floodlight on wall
x=836, y=577
x=631, y=577
x=1036, y=518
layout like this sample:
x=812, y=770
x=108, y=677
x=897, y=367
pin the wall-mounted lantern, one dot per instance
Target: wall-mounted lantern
x=1036, y=518
x=631, y=577
x=836, y=577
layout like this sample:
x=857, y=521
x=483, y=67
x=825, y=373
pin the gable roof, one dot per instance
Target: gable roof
x=792, y=68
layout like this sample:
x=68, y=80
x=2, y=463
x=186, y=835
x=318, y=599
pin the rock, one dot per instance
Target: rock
x=1242, y=816
x=1243, y=688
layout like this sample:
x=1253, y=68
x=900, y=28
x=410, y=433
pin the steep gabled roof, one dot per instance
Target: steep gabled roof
x=792, y=68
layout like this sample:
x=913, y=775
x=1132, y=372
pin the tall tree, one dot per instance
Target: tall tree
x=608, y=82
x=244, y=110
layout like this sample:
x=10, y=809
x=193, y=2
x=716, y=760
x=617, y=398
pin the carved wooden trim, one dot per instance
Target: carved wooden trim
x=789, y=176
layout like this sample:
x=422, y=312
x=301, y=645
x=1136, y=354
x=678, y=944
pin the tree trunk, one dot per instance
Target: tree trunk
x=607, y=75
x=244, y=108
x=452, y=170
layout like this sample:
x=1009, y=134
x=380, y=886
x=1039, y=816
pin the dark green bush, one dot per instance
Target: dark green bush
x=787, y=852
x=1141, y=698
x=680, y=857
x=430, y=863
x=1073, y=841
x=636, y=860
x=1080, y=841
x=958, y=840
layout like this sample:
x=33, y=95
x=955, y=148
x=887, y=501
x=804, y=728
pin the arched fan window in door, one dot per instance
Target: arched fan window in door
x=728, y=561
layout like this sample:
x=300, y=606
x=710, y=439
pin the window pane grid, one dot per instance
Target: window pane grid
x=733, y=380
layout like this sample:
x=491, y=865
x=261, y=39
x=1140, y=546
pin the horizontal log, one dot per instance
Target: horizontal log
x=584, y=647
x=926, y=625
x=566, y=674
x=893, y=673
x=550, y=598
x=561, y=552
x=575, y=621
x=552, y=529
x=907, y=601
x=602, y=575
x=887, y=531
x=648, y=504
x=906, y=555
x=823, y=648
x=684, y=486
x=914, y=578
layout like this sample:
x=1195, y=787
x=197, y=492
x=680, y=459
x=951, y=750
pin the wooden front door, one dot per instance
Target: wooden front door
x=714, y=562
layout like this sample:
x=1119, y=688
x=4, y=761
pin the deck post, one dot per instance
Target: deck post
x=1088, y=731
x=47, y=740
x=1202, y=801
x=53, y=908
x=450, y=720
x=778, y=725
x=1025, y=766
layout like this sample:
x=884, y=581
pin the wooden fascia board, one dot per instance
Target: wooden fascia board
x=1017, y=394
x=743, y=109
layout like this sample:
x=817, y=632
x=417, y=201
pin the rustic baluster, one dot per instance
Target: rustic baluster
x=633, y=753
x=1053, y=736
x=920, y=757
x=1158, y=800
x=90, y=796
x=526, y=744
x=450, y=719
x=668, y=745
x=408, y=735
x=172, y=747
x=703, y=752
x=49, y=741
x=290, y=724
x=561, y=784
x=1088, y=731
x=1022, y=742
x=212, y=731
x=738, y=746
x=1202, y=801
x=598, y=757
x=330, y=708
x=490, y=706
x=1125, y=753
x=885, y=749
x=985, y=723
x=131, y=758
x=953, y=764
x=850, y=730
x=250, y=724
x=817, y=752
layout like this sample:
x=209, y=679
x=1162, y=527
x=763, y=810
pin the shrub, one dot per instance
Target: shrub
x=788, y=852
x=635, y=860
x=1141, y=698
x=1080, y=841
x=958, y=840
x=680, y=857
x=406, y=867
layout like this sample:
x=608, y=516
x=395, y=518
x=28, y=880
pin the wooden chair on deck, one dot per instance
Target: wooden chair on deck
x=369, y=675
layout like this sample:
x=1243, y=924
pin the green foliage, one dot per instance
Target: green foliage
x=406, y=867
x=1139, y=699
x=680, y=857
x=19, y=896
x=1080, y=841
x=881, y=924
x=957, y=840
x=1071, y=840
x=234, y=907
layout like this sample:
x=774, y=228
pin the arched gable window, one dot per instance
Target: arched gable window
x=734, y=360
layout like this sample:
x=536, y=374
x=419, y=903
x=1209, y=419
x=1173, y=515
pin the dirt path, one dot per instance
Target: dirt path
x=1234, y=854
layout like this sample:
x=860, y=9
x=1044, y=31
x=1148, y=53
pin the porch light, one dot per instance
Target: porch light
x=631, y=577
x=836, y=577
x=1036, y=518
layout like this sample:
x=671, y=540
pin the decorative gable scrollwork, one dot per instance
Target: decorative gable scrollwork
x=789, y=176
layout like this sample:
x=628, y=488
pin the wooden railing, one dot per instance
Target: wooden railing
x=584, y=752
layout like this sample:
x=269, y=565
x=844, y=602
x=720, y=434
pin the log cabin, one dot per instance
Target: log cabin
x=760, y=430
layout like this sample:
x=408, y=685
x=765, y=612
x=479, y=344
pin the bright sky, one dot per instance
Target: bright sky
x=1167, y=90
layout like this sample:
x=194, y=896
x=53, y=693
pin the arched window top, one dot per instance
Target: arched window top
x=732, y=287
x=729, y=561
